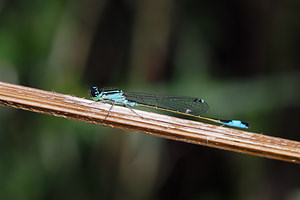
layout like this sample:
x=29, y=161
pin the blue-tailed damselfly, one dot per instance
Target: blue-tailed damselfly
x=189, y=106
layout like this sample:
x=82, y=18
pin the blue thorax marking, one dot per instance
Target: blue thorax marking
x=115, y=96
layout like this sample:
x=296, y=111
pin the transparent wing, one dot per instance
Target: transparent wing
x=184, y=105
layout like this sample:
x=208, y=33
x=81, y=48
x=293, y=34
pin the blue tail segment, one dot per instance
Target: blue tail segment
x=235, y=123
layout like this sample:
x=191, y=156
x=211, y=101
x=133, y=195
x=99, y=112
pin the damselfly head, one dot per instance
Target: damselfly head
x=95, y=93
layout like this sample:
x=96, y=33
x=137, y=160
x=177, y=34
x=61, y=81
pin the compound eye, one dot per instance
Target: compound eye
x=94, y=92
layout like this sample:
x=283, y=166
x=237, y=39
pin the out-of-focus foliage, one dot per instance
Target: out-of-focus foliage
x=241, y=57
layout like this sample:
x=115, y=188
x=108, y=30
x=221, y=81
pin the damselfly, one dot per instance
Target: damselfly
x=189, y=106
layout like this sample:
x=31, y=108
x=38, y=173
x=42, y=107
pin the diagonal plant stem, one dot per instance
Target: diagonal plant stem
x=71, y=107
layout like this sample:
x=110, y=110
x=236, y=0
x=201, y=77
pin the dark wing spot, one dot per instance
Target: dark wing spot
x=199, y=100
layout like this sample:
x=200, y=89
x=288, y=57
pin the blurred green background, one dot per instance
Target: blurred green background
x=242, y=57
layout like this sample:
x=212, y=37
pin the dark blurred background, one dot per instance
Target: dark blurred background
x=242, y=57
